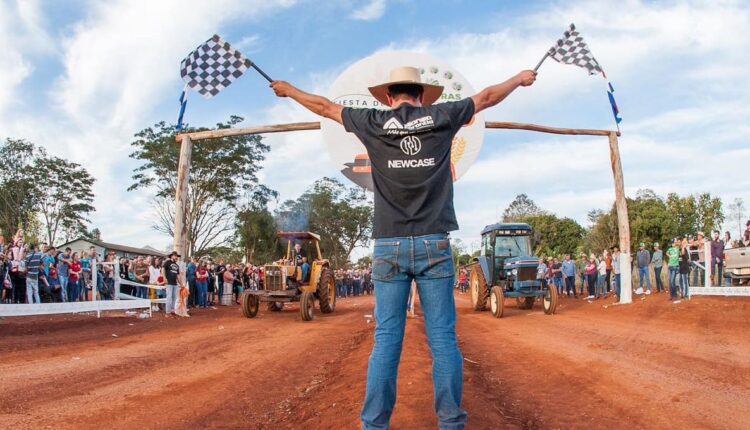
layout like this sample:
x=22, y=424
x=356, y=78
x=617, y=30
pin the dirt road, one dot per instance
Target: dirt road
x=652, y=364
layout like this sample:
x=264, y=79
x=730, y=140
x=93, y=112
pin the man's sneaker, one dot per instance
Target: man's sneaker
x=648, y=292
x=639, y=290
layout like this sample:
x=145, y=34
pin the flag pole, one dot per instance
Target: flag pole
x=268, y=78
x=541, y=61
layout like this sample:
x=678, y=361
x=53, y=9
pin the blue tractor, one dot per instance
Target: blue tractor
x=506, y=270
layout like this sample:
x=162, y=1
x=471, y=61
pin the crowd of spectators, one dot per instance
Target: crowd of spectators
x=31, y=273
x=598, y=275
x=353, y=282
x=44, y=274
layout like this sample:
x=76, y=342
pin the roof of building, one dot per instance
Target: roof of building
x=122, y=248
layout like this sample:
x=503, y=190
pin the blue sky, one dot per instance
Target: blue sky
x=81, y=77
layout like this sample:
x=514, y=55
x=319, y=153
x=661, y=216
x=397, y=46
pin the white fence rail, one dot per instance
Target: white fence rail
x=121, y=302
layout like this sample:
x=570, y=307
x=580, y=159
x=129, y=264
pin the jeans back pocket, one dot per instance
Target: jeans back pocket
x=385, y=260
x=439, y=258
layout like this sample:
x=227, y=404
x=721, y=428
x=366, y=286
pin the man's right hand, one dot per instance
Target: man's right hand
x=282, y=88
x=526, y=77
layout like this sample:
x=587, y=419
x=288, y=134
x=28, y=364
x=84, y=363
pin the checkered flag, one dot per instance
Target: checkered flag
x=571, y=49
x=213, y=66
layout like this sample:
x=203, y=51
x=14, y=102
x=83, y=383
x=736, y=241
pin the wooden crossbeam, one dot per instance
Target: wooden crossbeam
x=300, y=126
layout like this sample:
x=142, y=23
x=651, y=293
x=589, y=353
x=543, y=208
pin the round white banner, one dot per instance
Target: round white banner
x=350, y=90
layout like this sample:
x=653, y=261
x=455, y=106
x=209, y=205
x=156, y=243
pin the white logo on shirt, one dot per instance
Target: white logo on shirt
x=392, y=124
x=411, y=145
x=394, y=127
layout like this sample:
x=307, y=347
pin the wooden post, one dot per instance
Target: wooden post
x=181, y=198
x=623, y=224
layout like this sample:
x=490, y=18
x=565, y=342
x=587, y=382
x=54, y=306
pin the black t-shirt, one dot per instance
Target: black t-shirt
x=410, y=153
x=171, y=270
x=558, y=266
x=300, y=255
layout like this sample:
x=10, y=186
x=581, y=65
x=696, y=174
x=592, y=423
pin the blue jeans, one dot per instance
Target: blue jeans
x=202, y=287
x=657, y=275
x=601, y=290
x=618, y=281
x=305, y=270
x=73, y=291
x=643, y=274
x=396, y=262
x=32, y=290
x=173, y=294
x=717, y=269
x=570, y=285
x=64, y=286
x=684, y=285
x=559, y=284
x=674, y=271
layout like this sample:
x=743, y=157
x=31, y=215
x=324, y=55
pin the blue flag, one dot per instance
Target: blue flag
x=613, y=103
x=183, y=104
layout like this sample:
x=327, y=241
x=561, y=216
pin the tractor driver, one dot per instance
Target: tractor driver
x=300, y=259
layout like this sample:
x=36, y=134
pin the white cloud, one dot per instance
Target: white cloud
x=679, y=69
x=22, y=36
x=248, y=44
x=119, y=63
x=372, y=11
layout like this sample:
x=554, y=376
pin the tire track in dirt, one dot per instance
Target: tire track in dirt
x=336, y=401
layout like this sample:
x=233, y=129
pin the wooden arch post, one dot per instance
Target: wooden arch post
x=181, y=202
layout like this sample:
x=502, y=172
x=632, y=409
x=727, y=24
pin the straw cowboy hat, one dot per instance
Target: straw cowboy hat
x=406, y=75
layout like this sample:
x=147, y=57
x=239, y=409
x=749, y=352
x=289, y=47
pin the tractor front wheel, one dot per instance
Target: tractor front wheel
x=327, y=291
x=478, y=286
x=250, y=304
x=306, y=305
x=497, y=301
x=550, y=300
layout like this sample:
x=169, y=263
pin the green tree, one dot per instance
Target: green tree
x=365, y=261
x=603, y=233
x=94, y=234
x=650, y=219
x=17, y=187
x=342, y=216
x=221, y=170
x=42, y=194
x=695, y=213
x=522, y=206
x=64, y=198
x=656, y=219
x=736, y=215
x=554, y=235
x=256, y=228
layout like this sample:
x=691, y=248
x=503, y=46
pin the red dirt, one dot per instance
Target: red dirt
x=652, y=364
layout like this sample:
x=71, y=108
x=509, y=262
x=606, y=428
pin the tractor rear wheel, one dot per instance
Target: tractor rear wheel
x=550, y=300
x=478, y=286
x=525, y=302
x=275, y=306
x=497, y=301
x=306, y=305
x=327, y=291
x=250, y=304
